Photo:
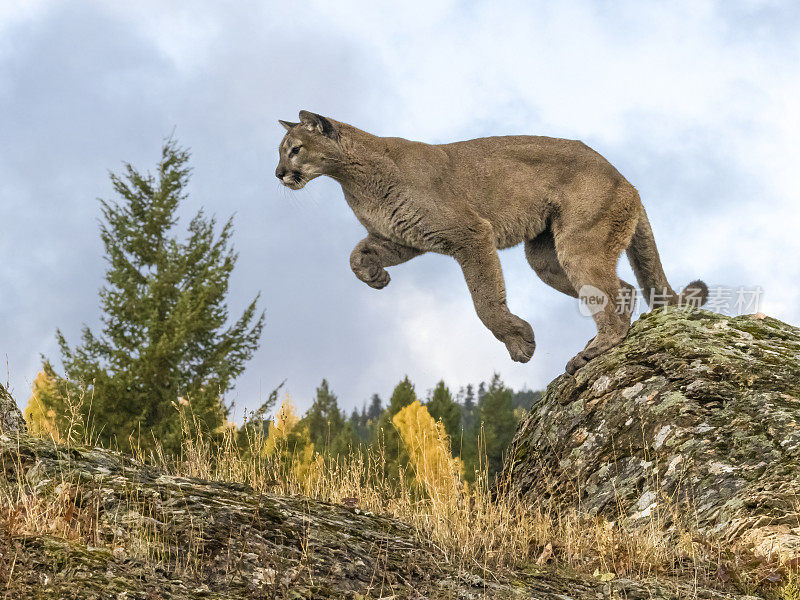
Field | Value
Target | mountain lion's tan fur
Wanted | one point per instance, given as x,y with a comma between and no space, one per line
570,206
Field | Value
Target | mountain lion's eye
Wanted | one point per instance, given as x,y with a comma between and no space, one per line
294,150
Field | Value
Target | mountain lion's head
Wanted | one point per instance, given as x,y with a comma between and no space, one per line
309,149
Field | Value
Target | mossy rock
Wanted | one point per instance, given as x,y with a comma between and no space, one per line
692,423
10,416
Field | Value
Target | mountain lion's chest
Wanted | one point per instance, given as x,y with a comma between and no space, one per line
382,217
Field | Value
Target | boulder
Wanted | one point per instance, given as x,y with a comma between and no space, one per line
11,419
691,424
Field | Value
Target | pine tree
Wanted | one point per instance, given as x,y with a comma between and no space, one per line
327,428
375,408
402,395
370,417
498,424
345,442
397,458
442,407
356,424
165,330
525,399
361,426
324,420
467,409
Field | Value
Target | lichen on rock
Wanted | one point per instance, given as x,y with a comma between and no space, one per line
11,418
692,423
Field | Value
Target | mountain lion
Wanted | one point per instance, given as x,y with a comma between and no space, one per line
572,209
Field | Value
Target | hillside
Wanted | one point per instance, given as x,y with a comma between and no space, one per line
687,431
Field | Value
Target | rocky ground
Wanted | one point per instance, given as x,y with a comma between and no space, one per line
134,533
694,411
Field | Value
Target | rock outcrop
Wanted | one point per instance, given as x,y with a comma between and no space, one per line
117,529
692,423
11,419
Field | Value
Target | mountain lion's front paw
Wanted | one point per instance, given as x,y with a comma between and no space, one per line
520,343
379,280
373,275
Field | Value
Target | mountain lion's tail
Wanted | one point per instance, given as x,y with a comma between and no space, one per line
646,264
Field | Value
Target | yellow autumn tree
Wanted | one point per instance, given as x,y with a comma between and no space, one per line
428,446
40,415
288,441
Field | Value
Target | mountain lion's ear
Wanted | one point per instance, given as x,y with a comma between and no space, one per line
319,124
287,125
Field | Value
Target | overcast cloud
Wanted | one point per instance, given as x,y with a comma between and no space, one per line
694,102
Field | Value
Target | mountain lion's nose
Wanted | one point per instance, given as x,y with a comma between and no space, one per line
280,172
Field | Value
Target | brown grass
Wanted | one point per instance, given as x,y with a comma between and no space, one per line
482,526
476,528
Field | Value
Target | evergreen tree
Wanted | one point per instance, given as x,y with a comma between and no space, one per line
355,422
525,399
358,423
375,409
402,395
498,423
397,458
165,332
330,433
345,441
467,409
324,420
367,419
442,408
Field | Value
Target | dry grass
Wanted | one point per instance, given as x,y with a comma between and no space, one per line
477,527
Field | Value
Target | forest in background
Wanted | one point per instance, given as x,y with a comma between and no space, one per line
477,423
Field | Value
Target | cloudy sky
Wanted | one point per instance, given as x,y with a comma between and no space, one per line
695,102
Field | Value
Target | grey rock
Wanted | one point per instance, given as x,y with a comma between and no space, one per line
11,418
692,423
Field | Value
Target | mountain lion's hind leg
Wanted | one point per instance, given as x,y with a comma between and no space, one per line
477,256
372,254
542,257
592,270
